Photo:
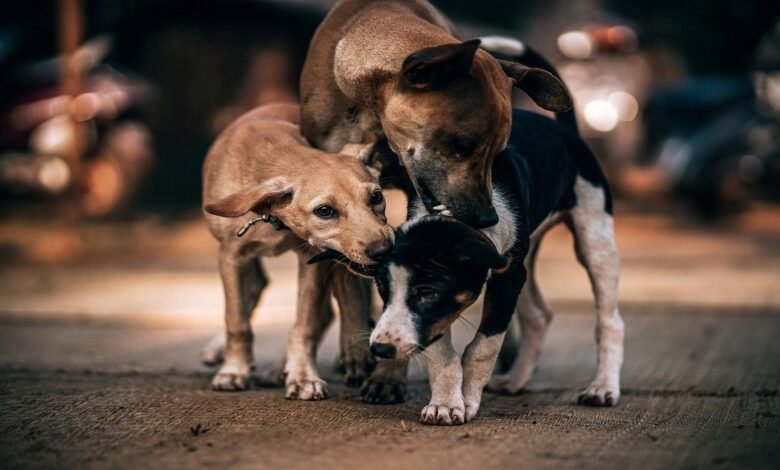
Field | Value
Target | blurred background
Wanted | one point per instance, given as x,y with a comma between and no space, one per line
108,108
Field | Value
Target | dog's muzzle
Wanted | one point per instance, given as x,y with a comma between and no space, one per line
356,268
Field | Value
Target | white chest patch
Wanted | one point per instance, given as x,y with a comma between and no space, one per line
504,233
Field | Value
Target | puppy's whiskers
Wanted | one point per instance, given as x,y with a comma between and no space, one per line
467,322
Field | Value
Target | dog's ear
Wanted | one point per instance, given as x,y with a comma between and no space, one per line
543,87
432,66
471,247
365,153
261,198
478,250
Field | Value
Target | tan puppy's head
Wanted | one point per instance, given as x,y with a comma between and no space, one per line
450,114
333,201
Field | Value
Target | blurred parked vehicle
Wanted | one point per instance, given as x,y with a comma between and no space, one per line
41,128
608,78
717,139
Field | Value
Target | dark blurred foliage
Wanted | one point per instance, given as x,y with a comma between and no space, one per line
712,36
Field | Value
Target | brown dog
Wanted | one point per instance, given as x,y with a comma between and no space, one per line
261,169
392,69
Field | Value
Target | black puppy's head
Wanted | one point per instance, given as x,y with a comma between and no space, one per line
435,271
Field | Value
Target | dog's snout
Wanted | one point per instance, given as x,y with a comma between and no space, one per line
383,350
378,250
487,218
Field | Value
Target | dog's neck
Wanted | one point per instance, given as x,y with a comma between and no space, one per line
503,234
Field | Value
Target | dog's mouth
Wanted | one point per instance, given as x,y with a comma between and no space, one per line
334,255
432,205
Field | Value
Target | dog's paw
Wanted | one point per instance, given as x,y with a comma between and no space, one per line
443,415
214,352
357,367
231,379
381,391
306,389
505,384
270,377
598,394
471,409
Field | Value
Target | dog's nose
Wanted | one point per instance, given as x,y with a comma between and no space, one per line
378,250
383,350
488,218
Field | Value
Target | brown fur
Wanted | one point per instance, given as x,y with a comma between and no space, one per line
393,69
261,165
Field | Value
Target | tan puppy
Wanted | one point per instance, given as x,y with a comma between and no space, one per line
392,69
261,167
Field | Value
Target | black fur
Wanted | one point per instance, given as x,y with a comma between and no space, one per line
536,173
441,274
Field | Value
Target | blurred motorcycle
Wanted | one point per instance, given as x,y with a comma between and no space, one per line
39,131
717,139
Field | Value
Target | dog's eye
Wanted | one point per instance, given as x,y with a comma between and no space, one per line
325,212
377,198
425,295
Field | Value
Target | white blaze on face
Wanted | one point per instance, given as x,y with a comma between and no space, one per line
395,326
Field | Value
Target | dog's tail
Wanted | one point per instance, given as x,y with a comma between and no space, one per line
507,48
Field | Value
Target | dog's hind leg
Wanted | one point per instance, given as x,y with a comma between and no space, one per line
596,250
534,316
509,349
243,280
302,381
387,383
214,352
353,295
383,382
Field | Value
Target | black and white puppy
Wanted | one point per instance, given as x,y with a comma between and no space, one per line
439,266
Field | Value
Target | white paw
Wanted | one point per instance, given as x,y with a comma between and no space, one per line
600,394
506,384
445,415
232,378
306,389
214,352
472,407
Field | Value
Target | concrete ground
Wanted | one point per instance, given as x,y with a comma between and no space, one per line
99,369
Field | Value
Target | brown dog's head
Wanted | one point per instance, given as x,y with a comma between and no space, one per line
331,201
450,114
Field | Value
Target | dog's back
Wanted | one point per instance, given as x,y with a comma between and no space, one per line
538,169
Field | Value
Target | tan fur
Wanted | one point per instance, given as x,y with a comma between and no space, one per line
261,165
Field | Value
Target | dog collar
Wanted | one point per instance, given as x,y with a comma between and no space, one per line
269,219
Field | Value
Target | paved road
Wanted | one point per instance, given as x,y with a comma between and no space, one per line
700,390
98,364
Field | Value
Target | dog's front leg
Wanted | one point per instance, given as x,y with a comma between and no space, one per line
301,379
243,280
353,295
480,356
446,378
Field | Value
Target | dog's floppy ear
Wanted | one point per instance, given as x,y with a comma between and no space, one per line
365,153
432,66
543,87
473,248
260,197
